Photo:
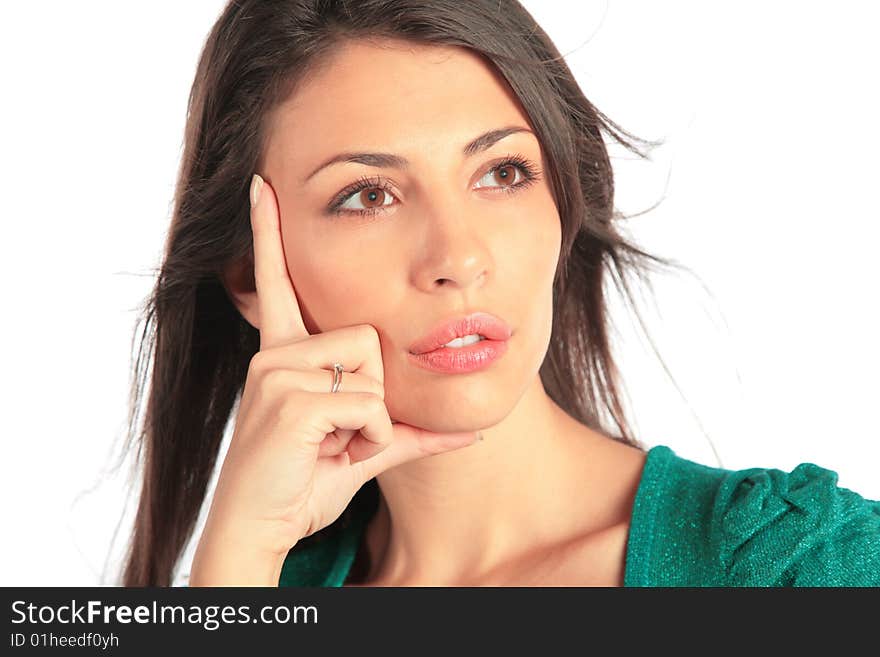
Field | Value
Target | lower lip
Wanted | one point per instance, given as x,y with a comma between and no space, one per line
470,358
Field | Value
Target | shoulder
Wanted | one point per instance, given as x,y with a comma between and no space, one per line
795,528
699,525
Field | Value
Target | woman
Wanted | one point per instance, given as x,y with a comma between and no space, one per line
362,184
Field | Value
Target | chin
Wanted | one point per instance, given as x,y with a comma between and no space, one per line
453,413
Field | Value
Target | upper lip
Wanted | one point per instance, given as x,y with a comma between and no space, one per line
482,323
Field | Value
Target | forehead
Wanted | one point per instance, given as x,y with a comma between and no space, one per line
409,98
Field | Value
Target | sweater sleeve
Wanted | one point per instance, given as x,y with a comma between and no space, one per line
798,528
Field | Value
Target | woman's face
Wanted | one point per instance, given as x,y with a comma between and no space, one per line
441,236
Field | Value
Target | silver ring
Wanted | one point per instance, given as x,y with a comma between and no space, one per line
337,376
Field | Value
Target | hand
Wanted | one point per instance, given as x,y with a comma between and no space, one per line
299,453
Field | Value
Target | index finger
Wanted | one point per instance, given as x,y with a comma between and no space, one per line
280,317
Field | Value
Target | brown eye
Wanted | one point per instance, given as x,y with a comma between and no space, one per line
373,197
368,193
376,195
505,175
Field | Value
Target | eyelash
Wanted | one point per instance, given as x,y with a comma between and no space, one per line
530,172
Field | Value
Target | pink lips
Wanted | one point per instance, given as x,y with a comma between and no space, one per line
429,352
485,324
451,360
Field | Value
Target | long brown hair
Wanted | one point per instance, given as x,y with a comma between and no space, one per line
198,343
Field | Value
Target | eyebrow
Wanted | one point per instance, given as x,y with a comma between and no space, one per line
392,161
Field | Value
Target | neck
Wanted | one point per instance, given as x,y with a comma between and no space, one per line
532,480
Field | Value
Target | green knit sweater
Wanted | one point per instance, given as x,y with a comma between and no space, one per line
692,525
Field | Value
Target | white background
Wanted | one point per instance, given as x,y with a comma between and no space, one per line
769,186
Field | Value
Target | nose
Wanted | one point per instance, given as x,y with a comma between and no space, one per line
454,247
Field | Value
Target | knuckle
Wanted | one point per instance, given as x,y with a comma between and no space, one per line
371,400
290,410
369,334
276,379
298,408
377,389
268,391
257,364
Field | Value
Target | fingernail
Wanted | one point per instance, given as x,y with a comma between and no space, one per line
256,188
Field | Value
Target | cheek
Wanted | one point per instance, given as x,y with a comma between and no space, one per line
531,268
335,285
535,245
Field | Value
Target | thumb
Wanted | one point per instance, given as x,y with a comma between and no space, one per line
411,443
